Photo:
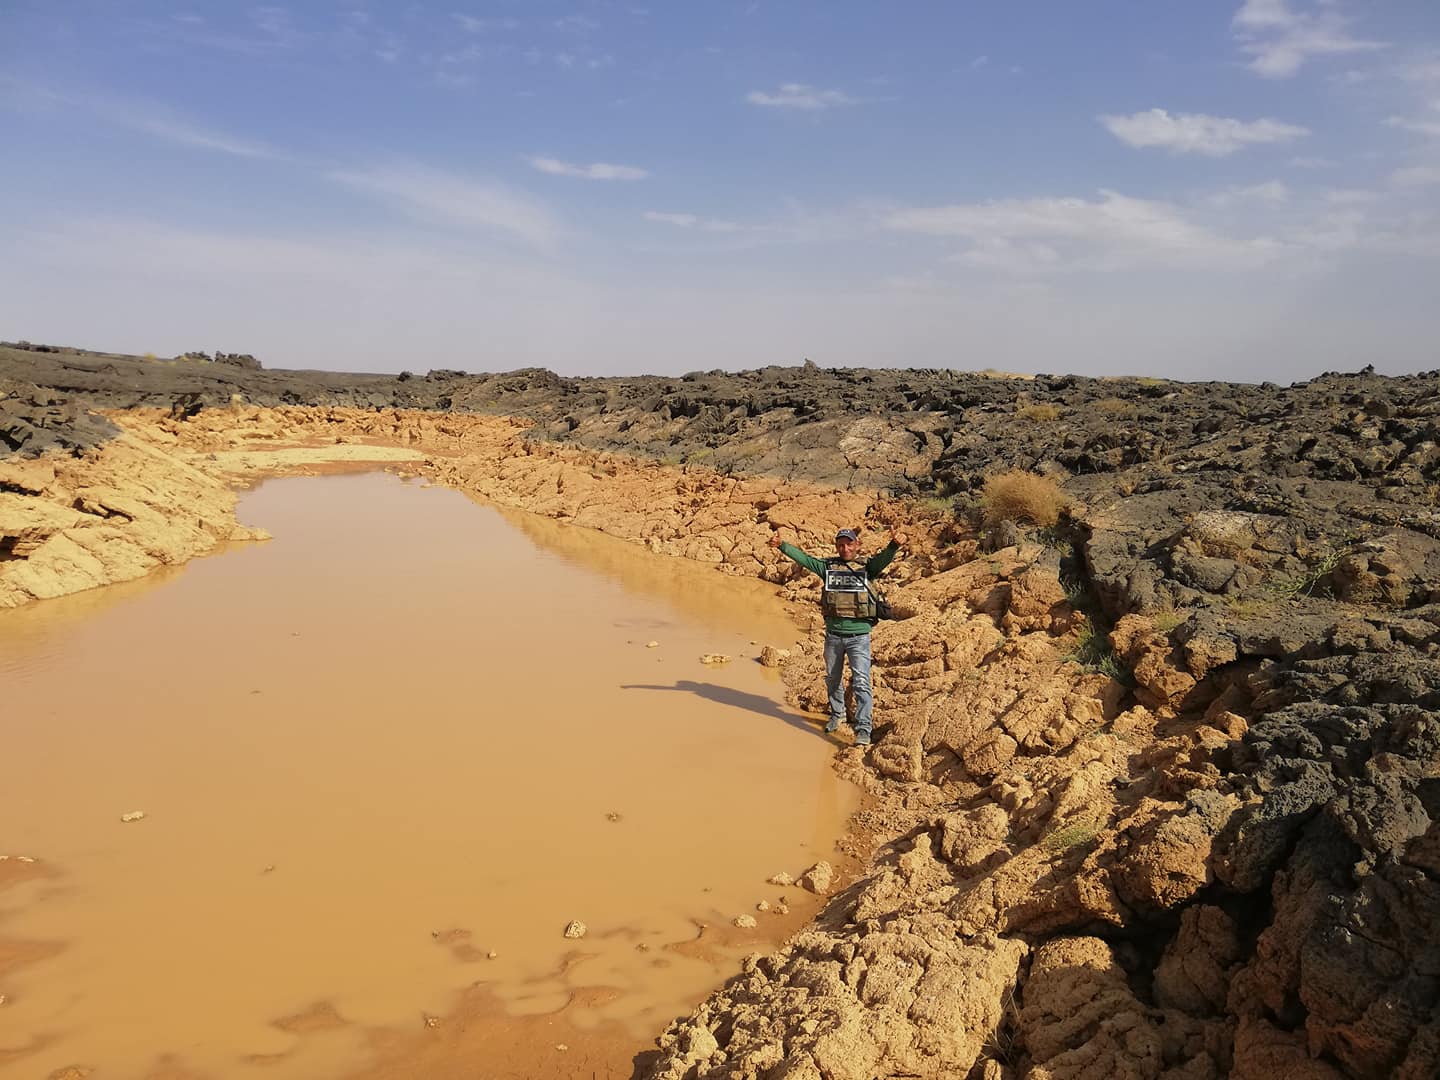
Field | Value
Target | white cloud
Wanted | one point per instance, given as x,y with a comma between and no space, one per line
800,96
1272,193
575,24
1350,197
1279,40
578,59
150,118
1425,126
1416,176
1114,232
596,171
374,300
436,196
177,130
1311,163
474,24
691,221
1195,133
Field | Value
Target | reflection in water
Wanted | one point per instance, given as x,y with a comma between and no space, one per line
30,634
681,584
372,753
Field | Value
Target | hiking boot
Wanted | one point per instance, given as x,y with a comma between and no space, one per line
862,739
831,726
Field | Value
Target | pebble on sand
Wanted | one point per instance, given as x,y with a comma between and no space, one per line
745,922
715,658
818,878
133,815
576,929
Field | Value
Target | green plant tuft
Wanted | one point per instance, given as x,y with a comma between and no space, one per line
1312,577
1072,835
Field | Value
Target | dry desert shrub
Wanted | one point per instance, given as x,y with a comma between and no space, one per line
1113,406
1023,497
1039,413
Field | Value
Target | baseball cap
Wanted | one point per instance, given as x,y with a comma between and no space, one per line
848,534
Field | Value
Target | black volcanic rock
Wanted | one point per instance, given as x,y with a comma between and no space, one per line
34,420
1291,535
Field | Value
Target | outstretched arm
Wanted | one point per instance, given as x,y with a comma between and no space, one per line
881,559
790,551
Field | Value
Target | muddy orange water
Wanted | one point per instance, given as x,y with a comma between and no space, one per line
409,732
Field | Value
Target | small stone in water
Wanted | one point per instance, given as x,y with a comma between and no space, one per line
782,879
133,815
652,645
576,929
745,922
714,658
763,905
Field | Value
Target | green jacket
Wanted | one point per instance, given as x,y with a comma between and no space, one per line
873,566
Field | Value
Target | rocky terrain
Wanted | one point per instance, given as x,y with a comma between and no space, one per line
1156,784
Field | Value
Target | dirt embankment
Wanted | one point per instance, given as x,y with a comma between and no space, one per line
1155,789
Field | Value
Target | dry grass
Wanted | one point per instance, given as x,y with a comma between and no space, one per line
1022,497
1040,413
1113,406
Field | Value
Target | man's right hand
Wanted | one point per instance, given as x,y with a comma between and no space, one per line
774,540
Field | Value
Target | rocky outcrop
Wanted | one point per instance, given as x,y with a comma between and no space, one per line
71,523
34,421
1154,791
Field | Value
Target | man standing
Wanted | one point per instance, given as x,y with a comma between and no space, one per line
849,604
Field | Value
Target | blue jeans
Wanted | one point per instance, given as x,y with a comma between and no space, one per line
857,648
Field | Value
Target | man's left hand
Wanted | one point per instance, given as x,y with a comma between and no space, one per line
897,538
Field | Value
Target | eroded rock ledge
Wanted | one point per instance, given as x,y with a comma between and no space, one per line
1217,858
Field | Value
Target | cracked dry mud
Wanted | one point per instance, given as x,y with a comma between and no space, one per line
1225,862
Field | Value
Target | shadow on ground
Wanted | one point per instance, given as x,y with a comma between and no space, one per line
737,699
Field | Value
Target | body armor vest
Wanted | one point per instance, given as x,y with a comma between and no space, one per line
847,593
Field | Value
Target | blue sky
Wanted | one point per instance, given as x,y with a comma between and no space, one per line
1247,189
